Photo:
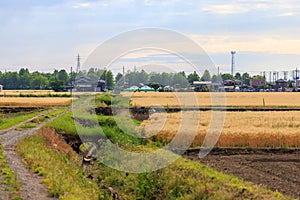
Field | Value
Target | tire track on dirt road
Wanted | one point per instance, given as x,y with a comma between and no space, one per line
32,187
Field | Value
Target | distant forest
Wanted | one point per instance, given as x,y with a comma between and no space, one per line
59,79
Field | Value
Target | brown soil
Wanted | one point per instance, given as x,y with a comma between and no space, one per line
56,142
276,169
16,109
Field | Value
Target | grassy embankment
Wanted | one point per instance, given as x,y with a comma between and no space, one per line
184,179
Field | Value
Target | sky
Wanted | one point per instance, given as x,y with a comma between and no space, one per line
48,35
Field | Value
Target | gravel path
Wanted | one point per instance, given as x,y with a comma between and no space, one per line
32,188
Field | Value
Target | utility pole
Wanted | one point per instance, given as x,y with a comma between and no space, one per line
232,62
78,64
123,77
285,75
71,81
274,77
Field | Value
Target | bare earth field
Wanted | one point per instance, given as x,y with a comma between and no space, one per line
268,99
277,169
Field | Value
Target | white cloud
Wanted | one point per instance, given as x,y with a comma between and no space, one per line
288,14
264,43
91,4
226,9
82,5
160,3
244,6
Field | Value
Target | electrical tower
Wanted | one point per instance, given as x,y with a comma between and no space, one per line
78,64
232,62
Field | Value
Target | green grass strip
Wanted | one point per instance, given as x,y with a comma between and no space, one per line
6,123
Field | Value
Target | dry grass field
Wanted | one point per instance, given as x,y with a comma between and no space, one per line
34,101
16,93
267,99
25,92
241,129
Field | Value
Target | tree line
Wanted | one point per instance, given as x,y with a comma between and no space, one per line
59,79
180,79
24,80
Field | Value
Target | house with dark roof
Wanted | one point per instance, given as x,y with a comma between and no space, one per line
281,85
84,84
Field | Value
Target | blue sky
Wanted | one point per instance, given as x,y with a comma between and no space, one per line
43,35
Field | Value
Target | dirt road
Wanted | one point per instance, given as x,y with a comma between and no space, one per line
277,169
32,188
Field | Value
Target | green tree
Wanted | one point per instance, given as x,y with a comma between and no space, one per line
137,77
155,86
238,76
109,79
227,76
162,78
258,77
23,71
119,79
25,78
206,76
142,77
180,80
246,78
95,74
216,78
57,85
38,82
193,77
11,80
155,77
63,76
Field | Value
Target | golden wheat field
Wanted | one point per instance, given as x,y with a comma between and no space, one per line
254,99
25,92
34,101
241,129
